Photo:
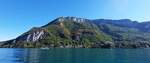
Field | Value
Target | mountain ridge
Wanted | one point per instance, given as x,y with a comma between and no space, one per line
74,32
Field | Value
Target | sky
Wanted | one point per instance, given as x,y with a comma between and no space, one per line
19,16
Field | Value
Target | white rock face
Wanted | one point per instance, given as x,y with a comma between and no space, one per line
74,19
14,41
79,20
35,36
32,37
61,19
28,38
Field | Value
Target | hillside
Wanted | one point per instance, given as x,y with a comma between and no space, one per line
73,32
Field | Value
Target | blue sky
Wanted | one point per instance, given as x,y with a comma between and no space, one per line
18,16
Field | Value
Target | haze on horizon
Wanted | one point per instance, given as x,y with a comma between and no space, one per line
18,16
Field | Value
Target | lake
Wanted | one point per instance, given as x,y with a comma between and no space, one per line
74,55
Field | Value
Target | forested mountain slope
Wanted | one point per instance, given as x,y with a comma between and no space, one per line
73,32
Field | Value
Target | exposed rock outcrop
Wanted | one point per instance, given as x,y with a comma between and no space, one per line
33,35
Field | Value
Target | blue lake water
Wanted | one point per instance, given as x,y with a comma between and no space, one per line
72,55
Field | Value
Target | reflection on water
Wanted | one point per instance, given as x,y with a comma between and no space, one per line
79,55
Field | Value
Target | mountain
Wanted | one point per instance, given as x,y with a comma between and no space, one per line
74,32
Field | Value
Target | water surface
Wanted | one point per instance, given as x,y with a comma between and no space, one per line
72,55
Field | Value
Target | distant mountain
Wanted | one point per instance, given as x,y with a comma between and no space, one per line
73,32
